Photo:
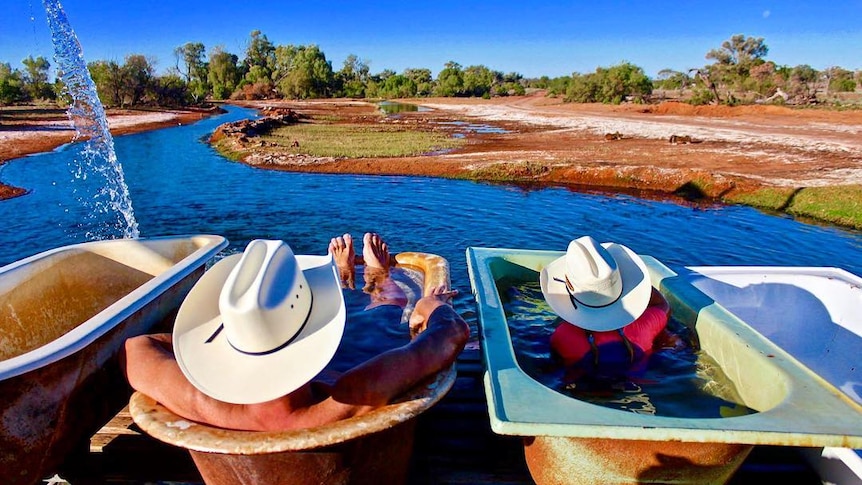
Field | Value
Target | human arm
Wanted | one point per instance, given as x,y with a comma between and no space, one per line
380,379
151,368
377,381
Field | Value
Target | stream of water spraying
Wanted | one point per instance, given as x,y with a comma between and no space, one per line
100,185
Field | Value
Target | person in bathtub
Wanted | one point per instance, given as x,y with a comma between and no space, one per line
257,328
612,316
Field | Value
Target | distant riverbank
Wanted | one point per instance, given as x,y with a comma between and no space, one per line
804,162
26,130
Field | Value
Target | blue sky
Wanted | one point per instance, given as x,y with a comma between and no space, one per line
551,38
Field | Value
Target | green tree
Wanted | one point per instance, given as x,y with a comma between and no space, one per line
733,63
511,89
191,64
224,75
610,85
170,90
109,78
421,77
625,81
477,81
138,76
36,78
670,79
803,82
511,83
559,86
351,79
190,60
542,82
739,50
11,85
397,86
259,58
582,88
450,80
302,72
840,80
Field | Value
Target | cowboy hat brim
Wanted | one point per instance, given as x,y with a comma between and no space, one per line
219,370
631,304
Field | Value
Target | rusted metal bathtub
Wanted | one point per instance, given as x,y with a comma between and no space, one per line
64,315
372,448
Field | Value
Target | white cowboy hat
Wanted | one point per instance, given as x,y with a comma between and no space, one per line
257,326
596,286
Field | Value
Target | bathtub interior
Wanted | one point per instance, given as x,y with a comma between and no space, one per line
812,313
767,380
68,289
47,296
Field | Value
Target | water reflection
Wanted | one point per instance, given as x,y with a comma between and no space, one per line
392,107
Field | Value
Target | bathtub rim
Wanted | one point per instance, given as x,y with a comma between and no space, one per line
162,424
166,426
511,394
102,322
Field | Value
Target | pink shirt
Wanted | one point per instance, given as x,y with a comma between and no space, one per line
572,344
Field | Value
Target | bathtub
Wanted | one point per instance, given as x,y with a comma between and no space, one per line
815,315
372,448
64,315
570,441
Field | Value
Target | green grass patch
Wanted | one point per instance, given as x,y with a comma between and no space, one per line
224,148
841,205
508,172
766,198
358,141
328,118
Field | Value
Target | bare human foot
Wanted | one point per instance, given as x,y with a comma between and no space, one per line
341,248
375,252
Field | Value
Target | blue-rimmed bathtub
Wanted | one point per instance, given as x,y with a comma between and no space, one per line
571,441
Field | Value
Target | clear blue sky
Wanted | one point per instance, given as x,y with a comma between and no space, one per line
551,38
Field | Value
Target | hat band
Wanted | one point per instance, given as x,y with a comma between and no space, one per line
265,352
575,301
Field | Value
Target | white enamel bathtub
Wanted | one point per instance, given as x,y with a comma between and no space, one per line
64,315
814,314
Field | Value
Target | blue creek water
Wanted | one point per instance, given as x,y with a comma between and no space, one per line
179,185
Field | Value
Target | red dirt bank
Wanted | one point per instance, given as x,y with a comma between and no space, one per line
735,149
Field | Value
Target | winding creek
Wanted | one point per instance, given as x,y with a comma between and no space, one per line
178,185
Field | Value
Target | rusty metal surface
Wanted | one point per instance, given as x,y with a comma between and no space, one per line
559,460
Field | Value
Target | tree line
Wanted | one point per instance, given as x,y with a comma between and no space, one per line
738,73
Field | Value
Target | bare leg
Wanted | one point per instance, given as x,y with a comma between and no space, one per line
375,251
378,283
341,248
